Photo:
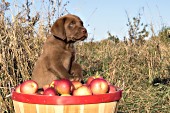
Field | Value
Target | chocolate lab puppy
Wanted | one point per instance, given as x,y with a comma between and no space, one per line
58,58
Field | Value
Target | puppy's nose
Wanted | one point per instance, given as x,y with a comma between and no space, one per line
84,30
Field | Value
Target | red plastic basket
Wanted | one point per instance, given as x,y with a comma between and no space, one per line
103,103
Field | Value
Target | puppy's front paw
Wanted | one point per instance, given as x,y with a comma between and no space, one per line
76,78
76,71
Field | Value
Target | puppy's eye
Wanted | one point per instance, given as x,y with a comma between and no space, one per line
72,24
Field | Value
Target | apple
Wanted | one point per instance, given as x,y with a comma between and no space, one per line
92,78
83,90
29,87
99,86
89,80
50,91
17,89
53,83
72,88
63,86
85,85
108,83
76,84
65,95
46,86
112,89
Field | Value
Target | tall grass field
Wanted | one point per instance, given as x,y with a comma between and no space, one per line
141,68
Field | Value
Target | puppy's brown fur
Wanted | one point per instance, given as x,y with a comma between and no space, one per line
58,58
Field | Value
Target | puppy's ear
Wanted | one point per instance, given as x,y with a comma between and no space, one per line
58,29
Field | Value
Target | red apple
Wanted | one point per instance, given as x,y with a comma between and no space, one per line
65,95
46,86
50,91
29,87
83,90
99,86
92,78
112,89
85,85
53,83
77,84
108,83
63,86
89,80
72,88
17,89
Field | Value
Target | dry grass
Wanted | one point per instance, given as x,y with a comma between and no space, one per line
142,71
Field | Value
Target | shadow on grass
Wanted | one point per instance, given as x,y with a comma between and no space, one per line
164,81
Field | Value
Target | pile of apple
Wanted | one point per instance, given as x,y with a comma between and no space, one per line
64,87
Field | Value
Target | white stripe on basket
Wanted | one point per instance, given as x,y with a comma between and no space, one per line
81,108
21,107
37,108
101,107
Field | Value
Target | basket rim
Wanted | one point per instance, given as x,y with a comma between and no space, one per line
66,100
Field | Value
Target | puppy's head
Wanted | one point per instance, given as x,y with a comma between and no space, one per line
69,28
